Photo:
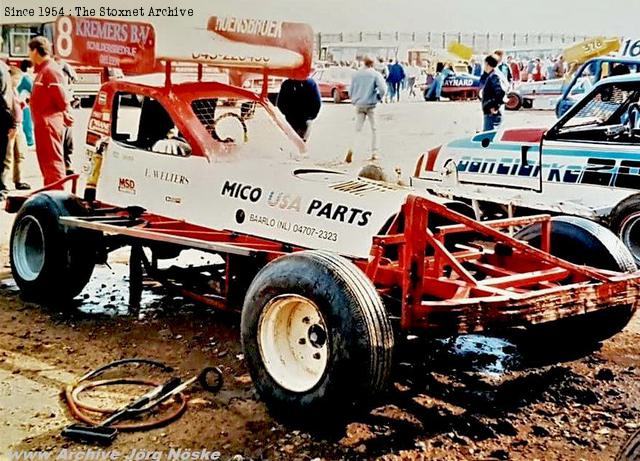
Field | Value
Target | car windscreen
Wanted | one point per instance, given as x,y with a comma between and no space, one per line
604,107
243,127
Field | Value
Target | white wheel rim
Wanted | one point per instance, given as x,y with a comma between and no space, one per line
630,234
293,341
28,248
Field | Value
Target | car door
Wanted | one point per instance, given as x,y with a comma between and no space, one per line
141,167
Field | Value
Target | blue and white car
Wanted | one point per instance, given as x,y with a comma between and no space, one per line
587,164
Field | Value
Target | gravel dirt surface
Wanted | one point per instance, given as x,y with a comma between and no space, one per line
473,398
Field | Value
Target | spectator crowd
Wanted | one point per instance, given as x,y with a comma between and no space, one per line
35,112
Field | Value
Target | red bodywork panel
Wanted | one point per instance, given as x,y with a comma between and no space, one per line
127,45
524,135
293,36
176,100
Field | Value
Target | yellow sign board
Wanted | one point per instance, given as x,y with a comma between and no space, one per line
460,50
591,48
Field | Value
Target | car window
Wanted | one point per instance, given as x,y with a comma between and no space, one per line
604,107
243,127
142,122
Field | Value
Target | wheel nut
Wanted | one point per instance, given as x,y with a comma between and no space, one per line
316,356
306,320
302,341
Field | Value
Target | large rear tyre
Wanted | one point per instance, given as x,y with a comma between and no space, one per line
316,336
583,242
51,263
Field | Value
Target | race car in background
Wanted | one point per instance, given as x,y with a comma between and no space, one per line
458,86
545,94
334,82
587,164
561,94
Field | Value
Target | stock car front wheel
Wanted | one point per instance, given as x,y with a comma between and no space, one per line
316,335
51,263
625,221
514,101
581,241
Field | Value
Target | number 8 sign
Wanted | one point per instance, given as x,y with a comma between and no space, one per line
64,43
99,42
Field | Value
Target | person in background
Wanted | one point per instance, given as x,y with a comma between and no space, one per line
548,69
413,72
17,145
524,70
476,67
70,78
531,69
381,67
536,75
7,131
503,67
367,89
51,111
300,102
25,87
515,69
493,94
396,76
7,119
387,76
435,90
559,68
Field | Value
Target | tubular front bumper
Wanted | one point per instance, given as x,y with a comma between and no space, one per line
469,276
521,310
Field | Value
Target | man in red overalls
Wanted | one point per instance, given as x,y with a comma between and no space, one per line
50,110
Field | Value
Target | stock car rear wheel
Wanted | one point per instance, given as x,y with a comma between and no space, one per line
316,336
514,101
51,263
582,241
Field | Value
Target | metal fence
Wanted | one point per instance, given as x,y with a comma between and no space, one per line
480,42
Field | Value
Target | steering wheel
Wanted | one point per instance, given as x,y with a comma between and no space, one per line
235,116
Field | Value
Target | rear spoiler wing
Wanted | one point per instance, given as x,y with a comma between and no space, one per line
241,46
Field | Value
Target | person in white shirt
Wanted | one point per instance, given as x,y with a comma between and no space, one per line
413,72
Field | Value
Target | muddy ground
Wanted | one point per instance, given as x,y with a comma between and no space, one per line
475,398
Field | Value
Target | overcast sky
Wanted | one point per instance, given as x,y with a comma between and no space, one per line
589,17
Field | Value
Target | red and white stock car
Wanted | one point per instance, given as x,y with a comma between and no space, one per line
329,271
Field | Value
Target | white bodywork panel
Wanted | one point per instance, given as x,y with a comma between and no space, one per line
562,162
318,209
